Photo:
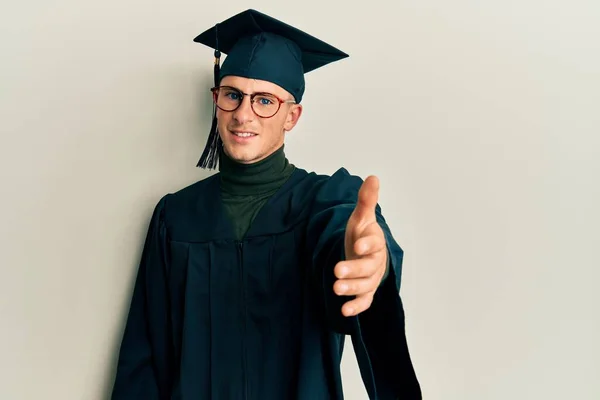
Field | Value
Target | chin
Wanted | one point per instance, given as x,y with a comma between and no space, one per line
241,155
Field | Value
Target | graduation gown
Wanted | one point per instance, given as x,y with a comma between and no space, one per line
216,318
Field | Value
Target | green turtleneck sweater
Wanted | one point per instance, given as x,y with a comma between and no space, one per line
245,188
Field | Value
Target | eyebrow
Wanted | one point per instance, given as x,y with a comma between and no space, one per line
257,92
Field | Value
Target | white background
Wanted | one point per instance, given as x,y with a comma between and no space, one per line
482,120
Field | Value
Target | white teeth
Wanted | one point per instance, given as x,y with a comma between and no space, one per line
243,134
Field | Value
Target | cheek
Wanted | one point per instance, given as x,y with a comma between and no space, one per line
222,120
271,128
275,130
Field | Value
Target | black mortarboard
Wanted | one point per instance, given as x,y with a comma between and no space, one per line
260,47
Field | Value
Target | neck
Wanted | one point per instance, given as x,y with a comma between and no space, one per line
254,179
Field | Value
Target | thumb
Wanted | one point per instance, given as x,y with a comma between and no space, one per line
368,196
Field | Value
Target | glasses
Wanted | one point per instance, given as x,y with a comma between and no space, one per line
265,105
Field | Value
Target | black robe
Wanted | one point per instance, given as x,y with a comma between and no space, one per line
215,318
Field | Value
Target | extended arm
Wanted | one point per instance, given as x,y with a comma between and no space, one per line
378,331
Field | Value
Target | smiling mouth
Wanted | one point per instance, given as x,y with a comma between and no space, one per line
244,134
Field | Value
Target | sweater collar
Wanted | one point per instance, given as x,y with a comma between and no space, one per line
254,179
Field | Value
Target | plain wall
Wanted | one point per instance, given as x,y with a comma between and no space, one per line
482,120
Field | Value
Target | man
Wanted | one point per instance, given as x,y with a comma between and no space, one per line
250,279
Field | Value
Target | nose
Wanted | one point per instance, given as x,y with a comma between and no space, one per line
244,112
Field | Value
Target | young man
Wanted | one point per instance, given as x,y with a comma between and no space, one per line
250,279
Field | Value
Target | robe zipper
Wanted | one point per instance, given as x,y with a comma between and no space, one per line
240,246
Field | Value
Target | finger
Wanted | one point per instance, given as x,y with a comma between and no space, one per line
368,196
358,268
371,243
358,305
354,287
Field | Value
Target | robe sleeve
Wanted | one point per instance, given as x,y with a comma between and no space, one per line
142,367
378,334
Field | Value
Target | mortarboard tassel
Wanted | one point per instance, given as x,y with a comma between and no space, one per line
210,155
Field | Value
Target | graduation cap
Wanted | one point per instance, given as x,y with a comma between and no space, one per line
261,47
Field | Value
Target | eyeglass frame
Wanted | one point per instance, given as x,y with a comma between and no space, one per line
281,101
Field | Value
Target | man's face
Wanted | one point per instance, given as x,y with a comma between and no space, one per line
267,133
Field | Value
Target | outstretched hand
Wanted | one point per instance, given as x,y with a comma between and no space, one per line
364,267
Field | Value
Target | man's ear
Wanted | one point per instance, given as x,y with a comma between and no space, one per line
292,117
